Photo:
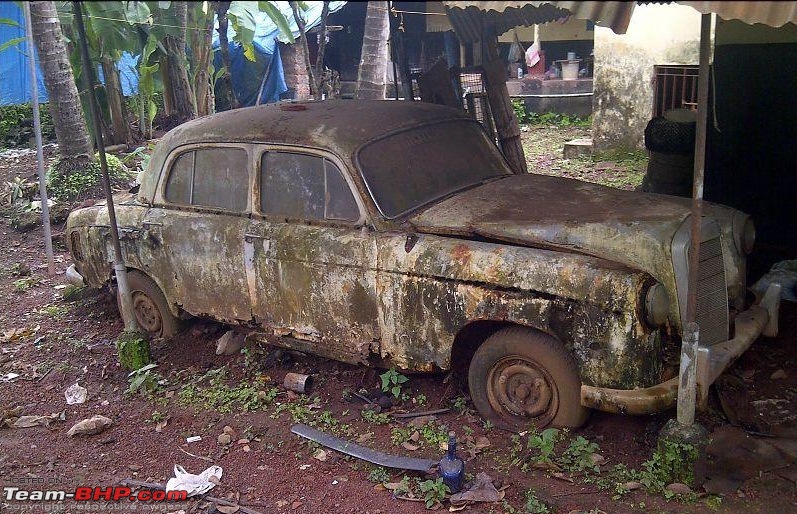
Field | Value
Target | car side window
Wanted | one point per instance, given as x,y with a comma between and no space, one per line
305,187
210,177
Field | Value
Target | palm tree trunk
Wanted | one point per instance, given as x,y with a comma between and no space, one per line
183,100
70,123
373,59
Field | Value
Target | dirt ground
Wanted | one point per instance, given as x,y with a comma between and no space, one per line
53,343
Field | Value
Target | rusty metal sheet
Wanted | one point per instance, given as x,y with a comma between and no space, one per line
774,14
469,17
361,452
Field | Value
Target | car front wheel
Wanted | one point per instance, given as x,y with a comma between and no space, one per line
520,378
150,307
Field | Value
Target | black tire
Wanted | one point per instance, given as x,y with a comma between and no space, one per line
150,305
516,364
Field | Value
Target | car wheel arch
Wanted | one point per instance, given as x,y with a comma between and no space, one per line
174,308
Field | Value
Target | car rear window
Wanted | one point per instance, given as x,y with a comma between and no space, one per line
210,177
412,168
306,187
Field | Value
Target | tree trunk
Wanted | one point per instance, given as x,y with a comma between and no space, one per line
225,95
182,94
202,45
116,103
70,124
373,59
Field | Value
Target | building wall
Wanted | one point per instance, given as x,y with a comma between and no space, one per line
623,92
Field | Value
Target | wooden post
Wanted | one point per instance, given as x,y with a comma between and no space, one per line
506,124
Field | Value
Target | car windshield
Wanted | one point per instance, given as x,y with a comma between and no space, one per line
413,168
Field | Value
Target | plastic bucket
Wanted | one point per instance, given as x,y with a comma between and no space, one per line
570,70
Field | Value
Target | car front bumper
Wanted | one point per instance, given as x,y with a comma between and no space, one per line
761,318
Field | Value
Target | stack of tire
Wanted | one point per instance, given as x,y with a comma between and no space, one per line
671,142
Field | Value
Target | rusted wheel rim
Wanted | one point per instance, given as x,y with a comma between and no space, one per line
522,391
147,314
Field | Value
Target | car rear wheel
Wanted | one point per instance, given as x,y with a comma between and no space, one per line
150,307
520,378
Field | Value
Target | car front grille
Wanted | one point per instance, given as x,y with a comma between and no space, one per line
711,313
712,294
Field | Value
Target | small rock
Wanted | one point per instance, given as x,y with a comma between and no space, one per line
385,402
631,486
224,439
230,343
134,467
777,375
90,426
228,430
679,488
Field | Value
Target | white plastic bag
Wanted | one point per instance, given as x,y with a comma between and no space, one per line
532,55
194,484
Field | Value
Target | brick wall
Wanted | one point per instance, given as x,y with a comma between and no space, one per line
295,70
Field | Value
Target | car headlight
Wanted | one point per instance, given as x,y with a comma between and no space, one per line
657,304
748,236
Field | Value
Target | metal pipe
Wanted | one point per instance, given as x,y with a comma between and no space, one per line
37,130
118,261
700,164
687,375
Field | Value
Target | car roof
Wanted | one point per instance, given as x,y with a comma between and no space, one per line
341,126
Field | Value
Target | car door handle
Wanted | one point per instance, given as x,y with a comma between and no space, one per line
249,237
150,224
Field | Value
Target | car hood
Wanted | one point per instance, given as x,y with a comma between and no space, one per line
628,227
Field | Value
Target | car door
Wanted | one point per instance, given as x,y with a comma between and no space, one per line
196,228
312,265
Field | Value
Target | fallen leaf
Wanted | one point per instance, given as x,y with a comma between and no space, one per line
228,509
409,446
320,455
392,486
295,505
161,425
481,443
246,448
281,504
415,437
224,439
365,437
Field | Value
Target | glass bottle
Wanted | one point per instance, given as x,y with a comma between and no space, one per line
452,468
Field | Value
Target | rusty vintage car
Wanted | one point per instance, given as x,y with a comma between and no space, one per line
395,234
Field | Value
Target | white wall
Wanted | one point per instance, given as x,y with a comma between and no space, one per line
623,97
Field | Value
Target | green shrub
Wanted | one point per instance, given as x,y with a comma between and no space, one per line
16,125
79,178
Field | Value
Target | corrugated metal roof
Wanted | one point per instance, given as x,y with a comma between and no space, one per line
774,14
470,17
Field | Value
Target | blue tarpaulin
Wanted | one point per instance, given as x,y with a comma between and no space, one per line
15,86
246,75
15,76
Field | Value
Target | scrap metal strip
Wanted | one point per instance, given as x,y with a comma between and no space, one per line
361,452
